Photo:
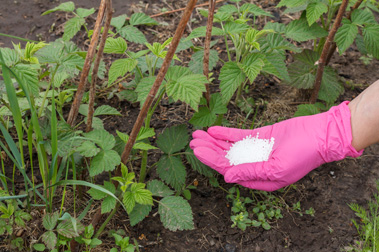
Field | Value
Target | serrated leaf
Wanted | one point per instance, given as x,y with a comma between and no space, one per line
142,19
173,139
102,138
88,149
67,229
361,44
331,87
108,205
275,64
371,38
115,45
119,21
129,201
10,56
139,213
303,70
72,27
176,213
235,28
306,109
228,8
252,8
106,110
49,221
252,65
172,171
291,3
216,104
197,165
345,36
144,86
231,76
196,66
119,68
159,189
143,146
30,77
105,160
141,195
39,247
184,44
362,16
145,133
314,11
96,194
200,32
188,89
276,42
299,31
203,118
50,239
277,27
132,34
67,6
85,12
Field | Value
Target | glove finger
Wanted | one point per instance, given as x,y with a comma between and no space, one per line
247,172
268,186
198,142
234,135
200,134
214,159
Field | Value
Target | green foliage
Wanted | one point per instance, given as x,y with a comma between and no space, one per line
123,243
175,213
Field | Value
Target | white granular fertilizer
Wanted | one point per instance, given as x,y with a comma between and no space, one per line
250,150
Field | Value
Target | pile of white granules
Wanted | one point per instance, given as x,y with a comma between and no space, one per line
250,150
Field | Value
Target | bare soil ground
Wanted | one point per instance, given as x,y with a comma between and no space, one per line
328,189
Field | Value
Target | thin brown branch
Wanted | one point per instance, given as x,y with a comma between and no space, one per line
334,45
182,9
158,81
207,46
325,50
99,55
87,66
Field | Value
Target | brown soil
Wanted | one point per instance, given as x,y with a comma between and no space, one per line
328,189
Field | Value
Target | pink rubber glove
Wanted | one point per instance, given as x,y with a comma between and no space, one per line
301,145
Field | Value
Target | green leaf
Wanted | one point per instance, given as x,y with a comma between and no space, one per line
108,205
119,21
102,138
231,76
188,89
299,31
143,146
67,229
39,247
196,63
216,104
362,16
275,64
119,68
228,8
252,65
361,44
139,213
277,27
85,12
306,109
129,201
331,87
314,11
174,73
105,160
144,87
252,8
176,213
173,139
172,171
200,32
345,36
303,70
371,38
197,165
67,7
159,189
142,19
30,77
50,220
275,42
106,110
50,239
115,45
72,27
88,149
132,34
145,133
235,28
203,118
10,56
291,3
96,194
141,195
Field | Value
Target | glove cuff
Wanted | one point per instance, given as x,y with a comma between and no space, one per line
340,134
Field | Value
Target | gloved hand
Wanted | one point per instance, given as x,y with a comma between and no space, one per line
301,145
